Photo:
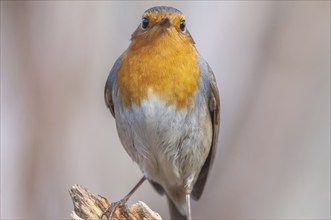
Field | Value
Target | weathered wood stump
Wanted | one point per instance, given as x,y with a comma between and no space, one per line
89,206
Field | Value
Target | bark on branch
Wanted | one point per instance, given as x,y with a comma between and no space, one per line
89,206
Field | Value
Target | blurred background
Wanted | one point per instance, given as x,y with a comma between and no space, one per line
272,64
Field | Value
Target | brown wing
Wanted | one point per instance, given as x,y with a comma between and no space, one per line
110,85
109,99
214,109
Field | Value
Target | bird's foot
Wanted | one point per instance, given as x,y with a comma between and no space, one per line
114,205
109,212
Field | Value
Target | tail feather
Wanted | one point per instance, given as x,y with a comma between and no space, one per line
174,213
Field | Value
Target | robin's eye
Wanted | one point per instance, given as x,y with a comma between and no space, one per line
182,25
144,23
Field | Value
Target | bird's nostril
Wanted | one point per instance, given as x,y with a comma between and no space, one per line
165,21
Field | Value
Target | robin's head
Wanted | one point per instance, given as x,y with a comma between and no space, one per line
161,23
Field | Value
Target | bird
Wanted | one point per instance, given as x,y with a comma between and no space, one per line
165,100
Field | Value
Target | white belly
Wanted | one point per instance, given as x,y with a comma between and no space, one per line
170,146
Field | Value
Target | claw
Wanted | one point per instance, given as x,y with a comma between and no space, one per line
114,205
112,208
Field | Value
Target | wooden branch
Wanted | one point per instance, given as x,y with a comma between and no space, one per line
89,206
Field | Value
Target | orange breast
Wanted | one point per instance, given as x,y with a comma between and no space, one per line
166,66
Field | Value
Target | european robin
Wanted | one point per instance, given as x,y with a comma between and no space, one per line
164,98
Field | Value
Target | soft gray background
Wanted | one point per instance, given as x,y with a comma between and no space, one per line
272,64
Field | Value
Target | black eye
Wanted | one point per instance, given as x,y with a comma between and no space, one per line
144,23
182,25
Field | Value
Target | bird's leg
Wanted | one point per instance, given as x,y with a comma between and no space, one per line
188,205
112,207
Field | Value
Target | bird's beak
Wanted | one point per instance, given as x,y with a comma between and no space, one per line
165,22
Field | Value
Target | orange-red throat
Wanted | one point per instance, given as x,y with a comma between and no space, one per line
161,59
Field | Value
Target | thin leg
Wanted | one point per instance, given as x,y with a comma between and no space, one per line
188,205
127,197
112,207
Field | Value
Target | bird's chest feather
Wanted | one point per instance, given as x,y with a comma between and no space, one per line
160,124
167,68
160,137
163,140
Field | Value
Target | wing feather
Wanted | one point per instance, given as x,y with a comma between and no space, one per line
214,110
110,86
